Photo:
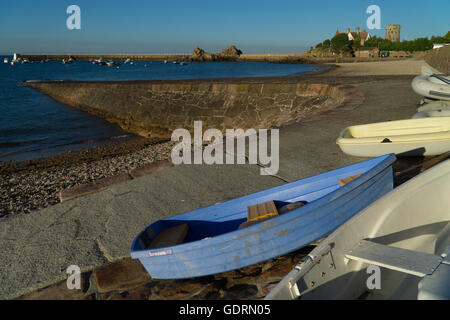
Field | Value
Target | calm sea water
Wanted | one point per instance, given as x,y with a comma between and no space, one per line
33,125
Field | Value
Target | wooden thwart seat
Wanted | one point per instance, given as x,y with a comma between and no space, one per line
266,210
403,260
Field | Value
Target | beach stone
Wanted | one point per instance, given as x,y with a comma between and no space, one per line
128,280
125,274
200,288
138,293
60,291
241,292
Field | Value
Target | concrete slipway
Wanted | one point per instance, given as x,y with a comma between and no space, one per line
99,228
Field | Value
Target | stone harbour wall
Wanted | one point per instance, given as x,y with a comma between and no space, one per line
155,109
439,59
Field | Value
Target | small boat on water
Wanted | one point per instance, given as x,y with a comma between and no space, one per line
165,61
411,137
112,64
99,62
431,85
5,60
128,60
183,63
221,237
405,233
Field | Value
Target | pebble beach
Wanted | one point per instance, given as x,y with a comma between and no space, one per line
35,184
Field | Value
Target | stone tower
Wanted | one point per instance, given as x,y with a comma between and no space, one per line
393,32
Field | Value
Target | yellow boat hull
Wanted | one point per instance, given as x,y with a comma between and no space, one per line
412,137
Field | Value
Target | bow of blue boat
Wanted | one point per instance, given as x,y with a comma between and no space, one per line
214,244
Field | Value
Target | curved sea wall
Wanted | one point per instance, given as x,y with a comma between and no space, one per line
439,59
155,109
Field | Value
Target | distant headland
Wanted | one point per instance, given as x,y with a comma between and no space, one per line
229,54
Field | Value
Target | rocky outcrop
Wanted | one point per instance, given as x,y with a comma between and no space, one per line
201,55
439,59
231,53
156,109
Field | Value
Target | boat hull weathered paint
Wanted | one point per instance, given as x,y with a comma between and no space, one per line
214,244
415,216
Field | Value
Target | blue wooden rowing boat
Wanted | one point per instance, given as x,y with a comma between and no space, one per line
214,244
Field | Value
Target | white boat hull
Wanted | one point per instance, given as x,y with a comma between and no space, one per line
431,113
405,149
414,216
431,88
413,137
435,105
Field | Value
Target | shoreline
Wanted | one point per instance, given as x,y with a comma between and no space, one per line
31,185
34,184
279,58
7,165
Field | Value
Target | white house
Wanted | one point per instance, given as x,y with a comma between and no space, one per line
440,45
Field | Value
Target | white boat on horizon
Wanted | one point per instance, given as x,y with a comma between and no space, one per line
113,64
5,60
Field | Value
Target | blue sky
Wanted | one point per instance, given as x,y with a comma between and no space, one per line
177,26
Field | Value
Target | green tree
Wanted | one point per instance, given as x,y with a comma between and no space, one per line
340,43
326,44
447,37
